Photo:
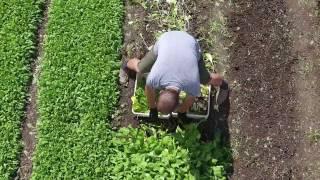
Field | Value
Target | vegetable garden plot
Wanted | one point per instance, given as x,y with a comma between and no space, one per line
18,25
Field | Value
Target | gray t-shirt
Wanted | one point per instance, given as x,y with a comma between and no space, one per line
176,65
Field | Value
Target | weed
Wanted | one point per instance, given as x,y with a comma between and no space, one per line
314,136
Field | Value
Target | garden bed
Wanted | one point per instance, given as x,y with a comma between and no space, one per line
18,26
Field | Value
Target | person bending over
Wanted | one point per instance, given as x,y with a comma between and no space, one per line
175,64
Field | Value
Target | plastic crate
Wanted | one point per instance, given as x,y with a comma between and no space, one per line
189,114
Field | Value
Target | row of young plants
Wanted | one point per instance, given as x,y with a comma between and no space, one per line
18,25
78,89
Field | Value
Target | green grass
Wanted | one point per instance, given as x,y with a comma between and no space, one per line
18,23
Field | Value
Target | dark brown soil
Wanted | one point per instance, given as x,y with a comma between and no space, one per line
134,46
306,47
270,103
30,121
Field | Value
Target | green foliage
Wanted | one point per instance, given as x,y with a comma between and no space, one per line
165,15
139,101
155,157
207,161
147,153
18,22
78,89
314,136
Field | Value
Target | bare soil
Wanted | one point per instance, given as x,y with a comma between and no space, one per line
30,121
274,71
306,47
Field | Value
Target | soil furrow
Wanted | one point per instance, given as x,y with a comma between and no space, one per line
306,33
263,119
30,121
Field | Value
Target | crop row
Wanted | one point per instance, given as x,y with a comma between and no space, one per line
18,24
78,89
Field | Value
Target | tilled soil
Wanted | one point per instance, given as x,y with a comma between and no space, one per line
272,104
306,47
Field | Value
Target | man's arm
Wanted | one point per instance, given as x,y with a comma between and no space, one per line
151,96
186,105
145,64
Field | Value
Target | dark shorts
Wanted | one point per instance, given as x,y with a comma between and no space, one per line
150,58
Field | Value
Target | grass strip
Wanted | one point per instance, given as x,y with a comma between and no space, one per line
78,89
18,25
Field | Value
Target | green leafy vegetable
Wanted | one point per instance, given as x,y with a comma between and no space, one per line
18,22
78,89
154,154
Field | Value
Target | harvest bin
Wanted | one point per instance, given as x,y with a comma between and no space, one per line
199,110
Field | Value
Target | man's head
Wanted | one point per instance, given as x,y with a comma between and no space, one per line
216,79
168,101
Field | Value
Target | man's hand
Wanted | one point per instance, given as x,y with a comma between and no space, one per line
133,64
153,115
216,79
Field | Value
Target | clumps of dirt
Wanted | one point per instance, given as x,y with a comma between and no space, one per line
265,124
30,121
306,46
135,46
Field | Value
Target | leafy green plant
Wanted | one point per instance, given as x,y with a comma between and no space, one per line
154,154
166,15
314,136
207,160
18,23
139,101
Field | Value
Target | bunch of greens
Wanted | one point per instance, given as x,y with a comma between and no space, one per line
139,101
18,22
